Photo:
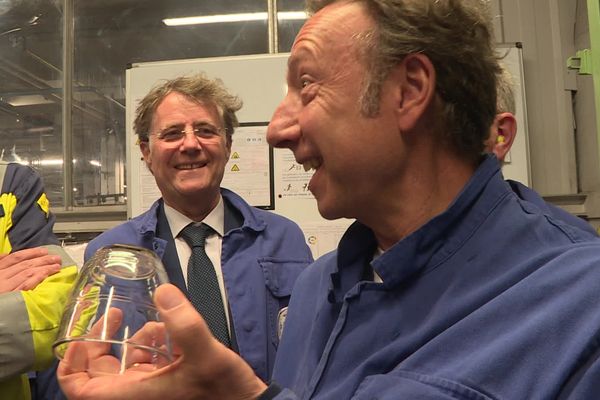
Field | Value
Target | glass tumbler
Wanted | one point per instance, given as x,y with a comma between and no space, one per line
110,304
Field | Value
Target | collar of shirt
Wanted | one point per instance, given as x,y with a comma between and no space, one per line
178,221
376,277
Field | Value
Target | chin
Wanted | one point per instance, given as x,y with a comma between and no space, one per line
329,211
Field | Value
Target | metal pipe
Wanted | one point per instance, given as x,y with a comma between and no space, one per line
67,123
272,26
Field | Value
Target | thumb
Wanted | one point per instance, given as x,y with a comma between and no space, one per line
184,324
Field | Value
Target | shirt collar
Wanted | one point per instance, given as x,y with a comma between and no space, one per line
178,221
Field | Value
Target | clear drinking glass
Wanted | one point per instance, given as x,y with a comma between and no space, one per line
110,304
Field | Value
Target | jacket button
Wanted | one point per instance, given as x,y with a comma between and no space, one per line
248,325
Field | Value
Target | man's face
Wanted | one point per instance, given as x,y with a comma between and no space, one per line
320,119
188,171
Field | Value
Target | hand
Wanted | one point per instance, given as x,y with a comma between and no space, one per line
203,367
25,269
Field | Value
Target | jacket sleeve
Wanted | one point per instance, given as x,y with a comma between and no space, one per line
25,217
26,342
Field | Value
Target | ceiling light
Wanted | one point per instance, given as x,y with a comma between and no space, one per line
244,17
27,100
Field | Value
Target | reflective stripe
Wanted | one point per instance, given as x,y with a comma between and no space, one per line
16,342
44,204
67,261
3,167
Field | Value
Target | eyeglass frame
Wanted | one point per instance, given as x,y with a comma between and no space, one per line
183,131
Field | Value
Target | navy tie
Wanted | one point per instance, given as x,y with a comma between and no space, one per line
203,286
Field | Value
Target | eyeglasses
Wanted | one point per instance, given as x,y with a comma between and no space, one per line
204,132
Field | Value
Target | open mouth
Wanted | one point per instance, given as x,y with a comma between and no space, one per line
313,164
189,166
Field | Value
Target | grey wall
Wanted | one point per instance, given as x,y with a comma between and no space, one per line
560,102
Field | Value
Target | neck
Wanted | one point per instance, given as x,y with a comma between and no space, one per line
197,209
433,184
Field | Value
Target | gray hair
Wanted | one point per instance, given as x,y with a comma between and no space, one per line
197,87
457,36
505,92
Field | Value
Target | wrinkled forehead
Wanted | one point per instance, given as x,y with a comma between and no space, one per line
336,26
179,106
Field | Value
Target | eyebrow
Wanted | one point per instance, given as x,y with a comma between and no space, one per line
292,61
292,65
194,123
174,125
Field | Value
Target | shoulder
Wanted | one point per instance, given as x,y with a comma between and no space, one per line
273,218
253,215
575,227
317,274
19,179
129,232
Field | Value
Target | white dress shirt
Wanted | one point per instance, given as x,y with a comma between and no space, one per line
177,221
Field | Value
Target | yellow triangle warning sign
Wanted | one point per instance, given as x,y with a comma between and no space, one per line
235,155
235,168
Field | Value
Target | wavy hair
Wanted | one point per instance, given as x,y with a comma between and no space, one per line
197,87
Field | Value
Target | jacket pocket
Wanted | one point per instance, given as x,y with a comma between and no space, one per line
280,276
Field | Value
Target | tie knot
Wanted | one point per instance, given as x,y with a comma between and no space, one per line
196,235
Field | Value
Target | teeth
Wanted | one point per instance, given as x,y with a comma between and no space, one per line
312,164
188,166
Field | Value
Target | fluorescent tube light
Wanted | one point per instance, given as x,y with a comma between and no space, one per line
244,17
27,100
290,15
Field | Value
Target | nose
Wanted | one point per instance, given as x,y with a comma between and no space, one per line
284,129
190,142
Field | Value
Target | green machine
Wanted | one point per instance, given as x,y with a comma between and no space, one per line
587,61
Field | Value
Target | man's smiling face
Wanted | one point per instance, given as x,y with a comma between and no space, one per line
189,170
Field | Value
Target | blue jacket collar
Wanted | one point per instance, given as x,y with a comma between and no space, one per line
148,220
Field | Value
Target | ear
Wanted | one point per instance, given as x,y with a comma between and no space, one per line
506,131
146,154
416,77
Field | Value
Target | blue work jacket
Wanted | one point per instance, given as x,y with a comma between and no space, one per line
492,299
261,256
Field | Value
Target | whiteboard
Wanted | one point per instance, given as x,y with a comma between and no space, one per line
259,80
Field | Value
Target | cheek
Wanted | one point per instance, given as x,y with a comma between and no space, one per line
220,151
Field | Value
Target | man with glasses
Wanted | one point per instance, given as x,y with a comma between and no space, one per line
185,129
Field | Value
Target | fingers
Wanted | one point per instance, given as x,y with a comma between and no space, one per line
189,332
149,347
25,269
85,354
10,266
22,255
30,278
216,371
